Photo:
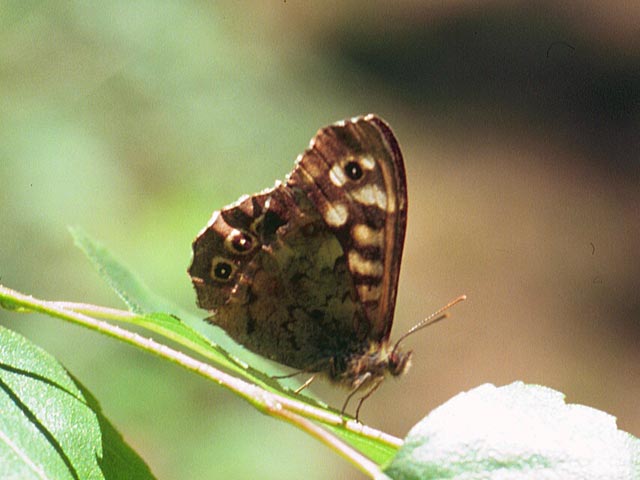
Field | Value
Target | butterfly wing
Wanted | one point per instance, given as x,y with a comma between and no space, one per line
305,273
275,279
224,250
354,175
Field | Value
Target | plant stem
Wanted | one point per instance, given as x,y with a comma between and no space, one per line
289,409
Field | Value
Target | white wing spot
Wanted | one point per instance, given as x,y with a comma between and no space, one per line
367,236
335,215
367,163
337,176
372,195
369,293
369,268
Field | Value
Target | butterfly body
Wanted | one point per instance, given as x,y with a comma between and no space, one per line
306,273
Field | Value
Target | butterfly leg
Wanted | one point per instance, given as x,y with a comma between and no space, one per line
306,384
356,386
368,394
288,375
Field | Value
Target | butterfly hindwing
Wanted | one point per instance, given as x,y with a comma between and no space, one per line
224,249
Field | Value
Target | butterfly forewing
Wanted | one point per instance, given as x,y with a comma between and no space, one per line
354,174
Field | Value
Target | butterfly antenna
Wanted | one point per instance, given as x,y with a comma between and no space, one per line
435,317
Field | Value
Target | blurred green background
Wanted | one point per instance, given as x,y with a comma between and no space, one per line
520,130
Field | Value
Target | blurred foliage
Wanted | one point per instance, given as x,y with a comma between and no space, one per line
519,128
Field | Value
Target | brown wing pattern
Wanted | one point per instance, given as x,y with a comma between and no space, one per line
275,280
353,173
306,272
224,249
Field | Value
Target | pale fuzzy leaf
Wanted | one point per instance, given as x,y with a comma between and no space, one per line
516,432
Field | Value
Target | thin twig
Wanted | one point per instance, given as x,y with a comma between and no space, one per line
95,310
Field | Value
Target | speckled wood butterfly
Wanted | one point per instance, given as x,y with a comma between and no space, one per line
306,273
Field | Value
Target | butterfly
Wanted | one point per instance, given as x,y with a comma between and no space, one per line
306,273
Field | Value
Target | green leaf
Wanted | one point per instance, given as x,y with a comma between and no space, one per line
50,426
171,327
517,431
127,286
378,451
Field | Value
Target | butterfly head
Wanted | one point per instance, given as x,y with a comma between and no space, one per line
399,362
382,358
